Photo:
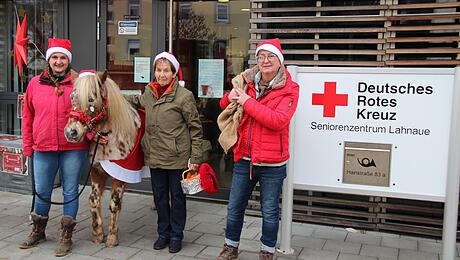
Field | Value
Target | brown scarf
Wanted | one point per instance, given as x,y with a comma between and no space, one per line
54,79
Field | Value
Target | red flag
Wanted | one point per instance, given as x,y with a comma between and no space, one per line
20,44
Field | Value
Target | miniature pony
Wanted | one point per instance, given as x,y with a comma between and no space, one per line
101,114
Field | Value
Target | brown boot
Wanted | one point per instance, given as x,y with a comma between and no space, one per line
37,234
228,253
264,255
65,236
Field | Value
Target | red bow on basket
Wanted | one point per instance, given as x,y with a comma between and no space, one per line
20,44
208,178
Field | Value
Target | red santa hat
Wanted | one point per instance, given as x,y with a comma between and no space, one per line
59,45
271,45
84,73
208,179
169,56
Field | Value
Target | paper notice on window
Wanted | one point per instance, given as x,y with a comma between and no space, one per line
210,78
141,69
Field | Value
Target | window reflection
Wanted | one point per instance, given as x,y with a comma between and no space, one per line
123,47
3,48
211,31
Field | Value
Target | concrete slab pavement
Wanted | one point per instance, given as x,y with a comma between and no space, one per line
204,235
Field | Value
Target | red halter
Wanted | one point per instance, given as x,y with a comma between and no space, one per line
89,122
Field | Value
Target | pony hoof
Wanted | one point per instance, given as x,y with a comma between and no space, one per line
112,241
97,239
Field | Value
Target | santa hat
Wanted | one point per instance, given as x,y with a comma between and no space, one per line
272,45
169,56
208,178
84,73
59,45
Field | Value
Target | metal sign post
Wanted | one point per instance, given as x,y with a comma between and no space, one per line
288,189
449,232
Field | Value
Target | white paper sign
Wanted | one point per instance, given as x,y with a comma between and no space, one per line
141,69
210,78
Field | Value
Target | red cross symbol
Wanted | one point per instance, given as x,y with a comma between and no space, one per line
330,99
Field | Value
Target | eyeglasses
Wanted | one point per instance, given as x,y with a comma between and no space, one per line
270,57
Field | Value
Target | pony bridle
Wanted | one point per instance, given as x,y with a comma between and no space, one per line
89,122
84,119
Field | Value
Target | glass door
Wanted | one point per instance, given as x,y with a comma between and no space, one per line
211,41
129,43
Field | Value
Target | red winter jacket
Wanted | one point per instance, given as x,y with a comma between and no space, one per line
263,132
44,116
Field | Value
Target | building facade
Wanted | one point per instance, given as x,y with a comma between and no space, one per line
210,39
215,40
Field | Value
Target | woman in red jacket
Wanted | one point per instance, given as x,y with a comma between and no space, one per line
261,150
46,104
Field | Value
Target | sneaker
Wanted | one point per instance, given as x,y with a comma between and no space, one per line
228,253
175,246
264,255
160,243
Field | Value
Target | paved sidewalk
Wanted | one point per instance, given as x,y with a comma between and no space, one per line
204,235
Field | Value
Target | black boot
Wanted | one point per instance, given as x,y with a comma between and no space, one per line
175,246
160,243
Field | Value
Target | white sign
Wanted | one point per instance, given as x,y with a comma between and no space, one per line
407,108
210,78
141,69
127,27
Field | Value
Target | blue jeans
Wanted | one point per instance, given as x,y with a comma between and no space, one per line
171,218
271,182
70,164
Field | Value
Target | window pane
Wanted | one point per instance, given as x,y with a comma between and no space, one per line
41,25
122,47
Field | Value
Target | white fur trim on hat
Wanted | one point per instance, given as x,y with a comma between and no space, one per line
169,57
87,73
52,50
271,48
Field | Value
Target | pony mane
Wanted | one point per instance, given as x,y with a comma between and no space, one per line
119,112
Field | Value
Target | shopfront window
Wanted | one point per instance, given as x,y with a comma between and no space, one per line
41,25
210,40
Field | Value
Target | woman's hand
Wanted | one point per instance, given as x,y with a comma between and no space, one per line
194,167
232,95
241,97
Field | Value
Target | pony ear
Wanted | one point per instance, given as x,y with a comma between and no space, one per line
102,76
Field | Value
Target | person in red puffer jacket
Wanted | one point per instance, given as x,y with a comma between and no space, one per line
261,150
46,105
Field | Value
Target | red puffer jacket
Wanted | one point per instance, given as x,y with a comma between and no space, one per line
263,132
44,116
